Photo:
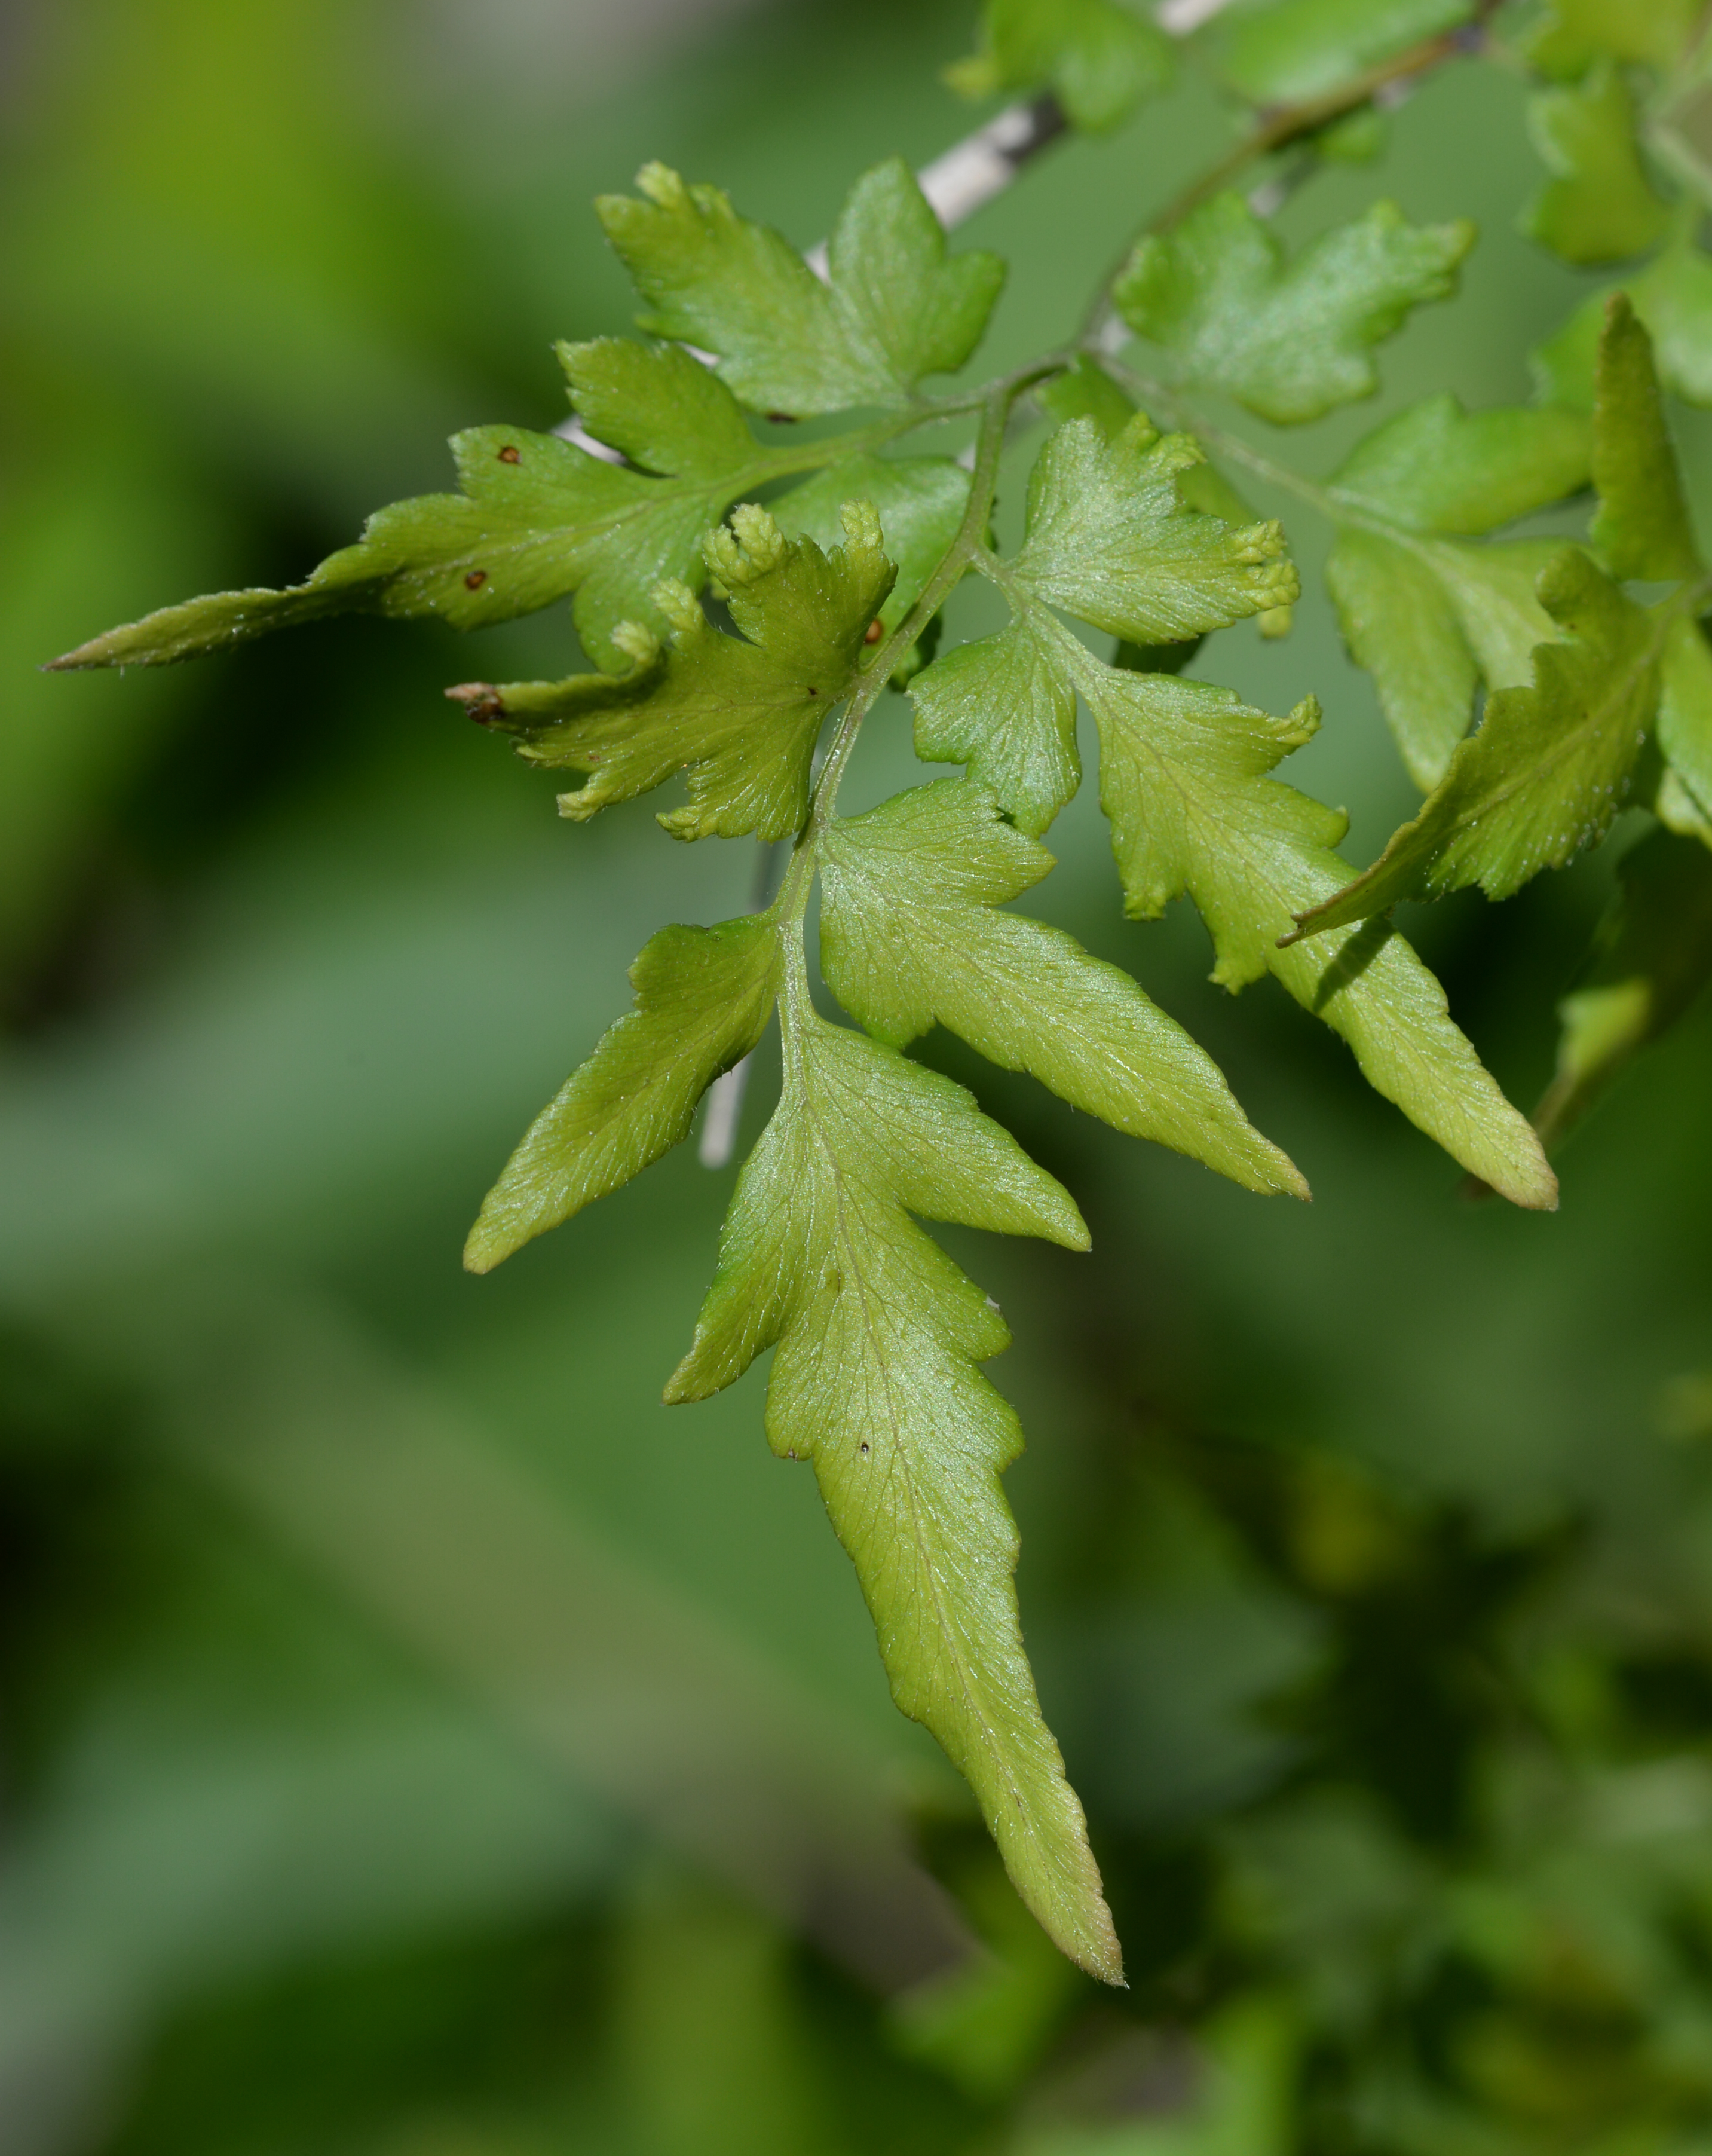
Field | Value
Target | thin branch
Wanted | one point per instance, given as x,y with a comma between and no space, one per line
725,1096
1285,125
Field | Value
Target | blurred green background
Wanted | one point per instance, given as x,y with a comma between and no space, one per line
414,1741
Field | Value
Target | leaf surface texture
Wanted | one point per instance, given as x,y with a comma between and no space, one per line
895,306
1290,341
740,715
911,936
703,996
877,1382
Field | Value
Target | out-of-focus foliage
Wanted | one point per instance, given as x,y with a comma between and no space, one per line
416,1742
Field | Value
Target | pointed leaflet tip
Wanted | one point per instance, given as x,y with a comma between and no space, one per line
1184,779
876,1381
703,996
538,519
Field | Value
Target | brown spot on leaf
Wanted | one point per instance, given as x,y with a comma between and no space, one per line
782,419
480,700
863,1445
510,455
812,690
475,581
874,631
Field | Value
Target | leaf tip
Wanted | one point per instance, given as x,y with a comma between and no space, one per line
85,657
1529,1181
481,700
660,184
684,1388
1538,1192
1098,1951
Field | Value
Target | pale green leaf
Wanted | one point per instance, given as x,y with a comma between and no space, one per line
1599,206
920,502
1289,342
1402,626
1642,529
1297,50
1495,592
664,409
1436,467
1086,391
1652,958
538,518
1110,540
1548,769
895,308
1432,618
1685,710
876,1381
1003,706
1103,58
897,290
1185,778
703,996
911,936
739,714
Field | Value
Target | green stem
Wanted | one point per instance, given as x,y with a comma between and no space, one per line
995,409
1277,130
